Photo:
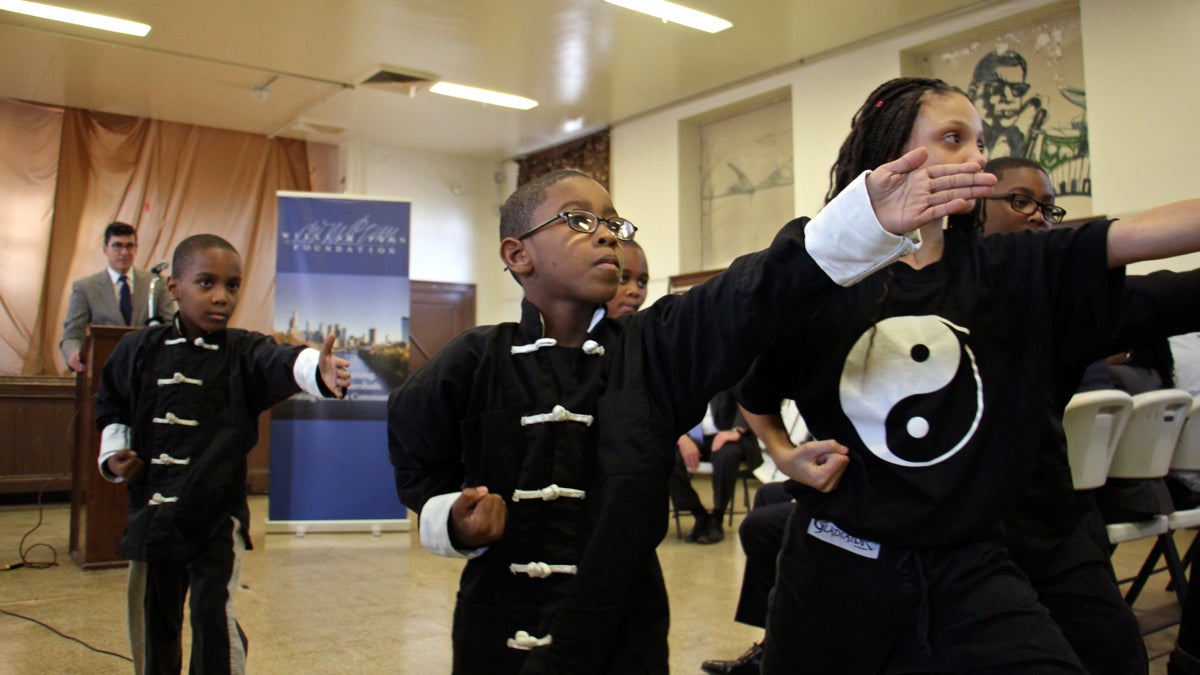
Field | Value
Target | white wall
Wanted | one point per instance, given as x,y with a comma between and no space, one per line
455,219
1141,61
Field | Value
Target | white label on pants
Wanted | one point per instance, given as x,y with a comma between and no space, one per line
827,532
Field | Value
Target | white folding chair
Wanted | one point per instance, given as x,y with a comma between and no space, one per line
1187,458
1145,451
1093,422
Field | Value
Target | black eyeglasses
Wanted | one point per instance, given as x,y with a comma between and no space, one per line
587,222
1028,205
122,246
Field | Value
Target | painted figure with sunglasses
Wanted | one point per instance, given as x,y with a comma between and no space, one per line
998,89
116,296
540,450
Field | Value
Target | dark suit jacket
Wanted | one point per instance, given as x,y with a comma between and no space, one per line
727,415
93,301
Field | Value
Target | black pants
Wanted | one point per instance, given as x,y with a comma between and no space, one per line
761,534
965,609
157,592
1087,605
725,461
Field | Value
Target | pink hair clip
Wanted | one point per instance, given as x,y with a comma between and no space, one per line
879,104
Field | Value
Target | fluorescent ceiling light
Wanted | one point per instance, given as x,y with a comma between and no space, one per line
483,95
669,11
76,17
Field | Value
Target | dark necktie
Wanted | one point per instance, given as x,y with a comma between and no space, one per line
126,300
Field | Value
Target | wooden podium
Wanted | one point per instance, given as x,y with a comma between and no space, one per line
99,508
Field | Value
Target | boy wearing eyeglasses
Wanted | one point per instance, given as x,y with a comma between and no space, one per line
540,450
1023,198
1057,540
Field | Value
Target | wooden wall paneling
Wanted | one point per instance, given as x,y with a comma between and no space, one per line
36,433
439,311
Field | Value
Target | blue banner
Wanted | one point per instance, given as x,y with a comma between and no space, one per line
342,268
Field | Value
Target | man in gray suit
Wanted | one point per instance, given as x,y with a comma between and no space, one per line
117,296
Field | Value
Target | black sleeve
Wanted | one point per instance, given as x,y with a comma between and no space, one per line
1157,306
268,366
702,342
424,441
1085,296
115,397
761,390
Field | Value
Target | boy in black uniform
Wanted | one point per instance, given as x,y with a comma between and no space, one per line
178,410
541,449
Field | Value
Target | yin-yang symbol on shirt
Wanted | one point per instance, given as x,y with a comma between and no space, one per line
911,388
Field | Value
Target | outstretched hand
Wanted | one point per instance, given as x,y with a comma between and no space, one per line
817,464
477,518
906,195
334,370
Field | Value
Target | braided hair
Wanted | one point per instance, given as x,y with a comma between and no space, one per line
880,130
878,133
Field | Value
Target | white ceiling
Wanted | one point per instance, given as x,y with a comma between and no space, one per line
583,60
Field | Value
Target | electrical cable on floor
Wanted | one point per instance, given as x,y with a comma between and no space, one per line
62,634
23,552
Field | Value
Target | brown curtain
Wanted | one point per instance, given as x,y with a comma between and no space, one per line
169,181
589,154
29,138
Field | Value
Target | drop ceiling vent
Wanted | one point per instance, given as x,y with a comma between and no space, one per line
399,80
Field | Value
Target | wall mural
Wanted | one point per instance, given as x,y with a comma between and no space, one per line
1028,85
746,182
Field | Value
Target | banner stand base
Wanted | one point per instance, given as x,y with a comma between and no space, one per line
303,527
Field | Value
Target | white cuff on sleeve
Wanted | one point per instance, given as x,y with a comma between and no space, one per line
305,371
113,439
846,240
435,528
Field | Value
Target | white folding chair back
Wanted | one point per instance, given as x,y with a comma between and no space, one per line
1187,450
1147,445
1093,422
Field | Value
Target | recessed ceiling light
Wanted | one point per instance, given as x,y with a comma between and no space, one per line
483,95
76,17
669,11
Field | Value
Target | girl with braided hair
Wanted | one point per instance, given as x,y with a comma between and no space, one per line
933,377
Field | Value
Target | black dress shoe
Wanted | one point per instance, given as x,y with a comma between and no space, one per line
715,532
699,531
750,662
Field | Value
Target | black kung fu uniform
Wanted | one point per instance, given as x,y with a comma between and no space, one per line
191,410
641,381
938,381
1048,535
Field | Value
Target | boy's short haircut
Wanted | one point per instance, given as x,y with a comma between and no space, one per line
998,166
188,248
517,213
119,229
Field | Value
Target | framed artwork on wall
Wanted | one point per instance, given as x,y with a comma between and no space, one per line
1025,76
746,177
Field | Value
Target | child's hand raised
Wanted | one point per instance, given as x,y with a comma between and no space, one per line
334,370
477,518
905,194
127,465
817,464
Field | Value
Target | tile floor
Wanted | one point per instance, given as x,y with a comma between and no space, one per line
354,603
